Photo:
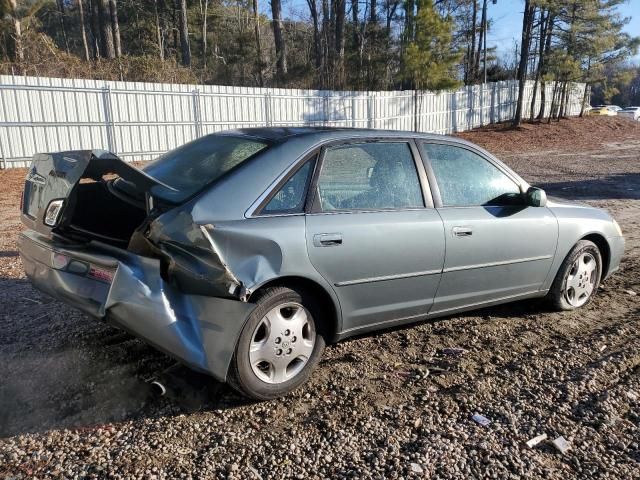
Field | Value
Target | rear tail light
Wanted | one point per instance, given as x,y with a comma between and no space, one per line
53,212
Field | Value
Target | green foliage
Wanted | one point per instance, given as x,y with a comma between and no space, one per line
431,61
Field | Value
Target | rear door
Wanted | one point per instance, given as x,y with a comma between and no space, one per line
497,247
372,232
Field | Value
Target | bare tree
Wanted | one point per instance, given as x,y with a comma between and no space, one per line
471,72
317,47
159,36
115,27
184,34
340,11
278,37
203,10
527,26
18,51
83,31
256,27
106,32
63,23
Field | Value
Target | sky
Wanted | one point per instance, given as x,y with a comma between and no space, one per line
505,14
507,23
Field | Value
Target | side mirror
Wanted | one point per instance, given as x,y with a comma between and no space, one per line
536,197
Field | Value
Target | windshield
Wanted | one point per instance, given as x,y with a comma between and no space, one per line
191,167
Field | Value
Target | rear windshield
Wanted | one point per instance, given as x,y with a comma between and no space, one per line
193,166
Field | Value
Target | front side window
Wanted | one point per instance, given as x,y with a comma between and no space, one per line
369,176
291,196
465,178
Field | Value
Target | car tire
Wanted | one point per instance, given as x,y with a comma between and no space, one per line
578,278
279,346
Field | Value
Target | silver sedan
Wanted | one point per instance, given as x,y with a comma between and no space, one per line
243,253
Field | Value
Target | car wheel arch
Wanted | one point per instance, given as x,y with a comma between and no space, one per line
605,251
331,320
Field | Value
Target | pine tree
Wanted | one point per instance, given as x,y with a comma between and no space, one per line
430,61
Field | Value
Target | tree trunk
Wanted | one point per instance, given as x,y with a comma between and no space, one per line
585,98
543,65
184,34
317,47
373,13
541,39
95,28
553,101
115,26
483,33
339,42
83,31
278,37
391,11
471,74
527,24
18,51
106,32
325,42
203,11
159,32
259,61
63,24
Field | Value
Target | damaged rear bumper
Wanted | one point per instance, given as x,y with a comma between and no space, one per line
200,331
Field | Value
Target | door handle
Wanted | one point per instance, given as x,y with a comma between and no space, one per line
327,239
462,231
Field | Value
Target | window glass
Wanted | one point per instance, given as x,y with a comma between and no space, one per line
192,166
290,198
465,178
369,176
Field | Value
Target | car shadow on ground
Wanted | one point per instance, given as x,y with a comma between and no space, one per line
624,186
62,369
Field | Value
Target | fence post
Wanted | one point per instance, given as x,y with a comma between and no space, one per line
415,110
3,166
353,110
267,110
370,112
325,109
108,118
197,118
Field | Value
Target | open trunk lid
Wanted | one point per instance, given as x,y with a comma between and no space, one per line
67,192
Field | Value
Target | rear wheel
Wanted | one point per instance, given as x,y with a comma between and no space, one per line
578,277
279,346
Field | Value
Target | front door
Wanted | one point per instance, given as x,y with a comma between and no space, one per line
371,234
497,247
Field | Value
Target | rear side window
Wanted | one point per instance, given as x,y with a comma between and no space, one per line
191,167
465,178
369,176
291,196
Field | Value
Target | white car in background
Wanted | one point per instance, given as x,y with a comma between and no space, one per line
630,112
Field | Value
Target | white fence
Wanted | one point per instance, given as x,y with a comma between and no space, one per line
139,121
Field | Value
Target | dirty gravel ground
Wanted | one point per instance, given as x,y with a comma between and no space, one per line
74,400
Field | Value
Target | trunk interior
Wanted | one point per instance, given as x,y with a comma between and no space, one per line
99,212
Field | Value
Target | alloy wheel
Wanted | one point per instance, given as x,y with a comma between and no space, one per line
282,343
581,280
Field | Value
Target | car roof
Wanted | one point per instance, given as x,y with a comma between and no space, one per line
276,134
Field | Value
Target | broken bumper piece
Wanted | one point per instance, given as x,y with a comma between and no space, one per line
127,290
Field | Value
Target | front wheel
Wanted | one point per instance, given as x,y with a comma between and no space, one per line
279,346
578,277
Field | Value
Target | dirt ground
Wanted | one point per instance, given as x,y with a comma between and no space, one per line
74,401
